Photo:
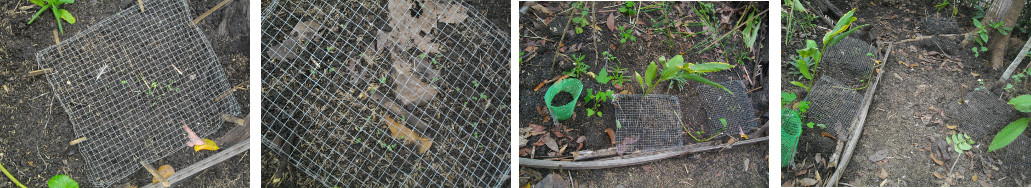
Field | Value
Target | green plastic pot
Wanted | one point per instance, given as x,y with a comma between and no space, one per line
791,129
563,111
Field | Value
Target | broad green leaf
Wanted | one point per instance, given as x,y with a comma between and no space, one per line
810,125
38,2
62,181
723,121
700,79
671,67
1021,103
800,84
590,112
649,76
977,23
984,37
1008,134
66,16
603,76
786,97
675,62
841,36
639,80
841,26
66,1
803,67
708,67
821,125
803,106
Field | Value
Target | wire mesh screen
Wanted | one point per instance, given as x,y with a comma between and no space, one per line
394,93
941,25
648,122
735,110
131,82
834,105
850,59
982,113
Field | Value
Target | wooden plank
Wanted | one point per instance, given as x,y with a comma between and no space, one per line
1016,61
629,160
213,9
858,123
204,164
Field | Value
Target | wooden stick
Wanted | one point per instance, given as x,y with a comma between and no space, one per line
39,72
858,125
206,162
408,117
1016,61
232,119
628,160
164,182
213,9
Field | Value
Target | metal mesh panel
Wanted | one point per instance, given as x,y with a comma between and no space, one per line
648,122
736,109
983,113
833,104
339,76
131,81
848,60
941,25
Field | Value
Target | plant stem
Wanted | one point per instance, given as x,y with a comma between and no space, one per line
44,8
9,176
57,18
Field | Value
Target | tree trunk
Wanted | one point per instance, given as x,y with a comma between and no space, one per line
1006,11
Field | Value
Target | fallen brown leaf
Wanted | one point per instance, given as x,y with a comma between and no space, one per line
939,175
550,142
611,22
936,161
525,152
806,182
828,135
398,130
883,174
165,171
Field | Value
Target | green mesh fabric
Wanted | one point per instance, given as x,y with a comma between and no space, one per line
563,112
790,130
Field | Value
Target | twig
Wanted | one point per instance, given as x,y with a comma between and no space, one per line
140,2
1016,61
560,39
213,9
858,122
628,160
9,176
154,172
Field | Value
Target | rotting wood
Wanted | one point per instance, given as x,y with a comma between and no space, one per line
407,117
860,119
632,159
39,72
237,134
608,152
213,9
164,182
232,119
1016,61
204,164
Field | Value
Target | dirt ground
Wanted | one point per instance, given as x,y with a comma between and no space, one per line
34,141
279,171
744,166
918,82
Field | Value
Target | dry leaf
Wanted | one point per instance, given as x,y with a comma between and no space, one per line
883,174
974,178
408,87
194,140
208,145
939,175
936,161
525,152
165,171
550,142
611,22
612,135
951,127
805,182
828,135
398,130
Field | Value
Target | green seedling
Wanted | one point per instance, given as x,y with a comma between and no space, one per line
1010,133
812,52
62,181
628,8
598,98
676,68
55,7
722,121
603,76
476,84
580,20
960,142
580,68
982,33
383,80
627,33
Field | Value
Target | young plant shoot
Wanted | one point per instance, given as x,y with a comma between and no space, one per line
54,6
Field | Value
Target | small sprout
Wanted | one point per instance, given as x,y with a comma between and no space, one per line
476,84
332,69
503,106
810,125
619,125
483,96
723,121
869,54
434,60
153,84
400,136
313,71
475,124
358,140
435,79
330,48
383,80
476,134
423,55
124,82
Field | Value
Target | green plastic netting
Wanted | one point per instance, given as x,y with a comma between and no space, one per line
790,130
574,87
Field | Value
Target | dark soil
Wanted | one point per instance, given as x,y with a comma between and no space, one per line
562,98
34,143
288,175
904,95
539,36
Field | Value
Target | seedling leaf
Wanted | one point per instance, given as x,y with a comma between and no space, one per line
66,16
1008,134
62,181
709,67
1021,103
700,79
603,76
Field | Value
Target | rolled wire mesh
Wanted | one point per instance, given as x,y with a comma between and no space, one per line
983,113
342,76
941,25
734,109
834,105
850,60
647,122
131,81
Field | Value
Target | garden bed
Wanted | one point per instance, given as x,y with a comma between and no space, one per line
929,90
549,47
37,132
